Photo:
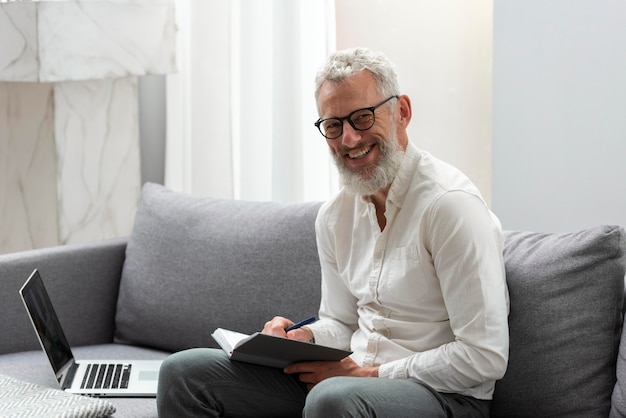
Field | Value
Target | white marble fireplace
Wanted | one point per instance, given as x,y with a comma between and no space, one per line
69,129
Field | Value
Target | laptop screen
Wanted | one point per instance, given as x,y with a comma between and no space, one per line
46,323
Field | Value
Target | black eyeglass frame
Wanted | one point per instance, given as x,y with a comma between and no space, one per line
318,123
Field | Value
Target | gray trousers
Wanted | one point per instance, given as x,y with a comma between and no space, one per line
205,383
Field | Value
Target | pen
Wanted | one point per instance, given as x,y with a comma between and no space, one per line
300,324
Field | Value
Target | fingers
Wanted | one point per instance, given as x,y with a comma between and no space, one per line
310,373
308,367
276,326
301,334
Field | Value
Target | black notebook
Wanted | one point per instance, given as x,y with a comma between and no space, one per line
272,351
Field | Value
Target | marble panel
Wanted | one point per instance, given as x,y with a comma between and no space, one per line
50,41
18,42
97,147
105,39
28,189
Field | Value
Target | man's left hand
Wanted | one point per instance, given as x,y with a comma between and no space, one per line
314,372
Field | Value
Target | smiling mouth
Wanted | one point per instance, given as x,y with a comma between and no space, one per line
357,154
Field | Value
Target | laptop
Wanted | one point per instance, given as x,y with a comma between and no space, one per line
102,378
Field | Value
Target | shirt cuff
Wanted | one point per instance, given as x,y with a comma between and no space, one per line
324,336
393,370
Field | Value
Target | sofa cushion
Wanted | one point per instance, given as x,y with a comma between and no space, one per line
618,400
197,263
566,294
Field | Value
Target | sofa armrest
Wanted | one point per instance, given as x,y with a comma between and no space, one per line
83,282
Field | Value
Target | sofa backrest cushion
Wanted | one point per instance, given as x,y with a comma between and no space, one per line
618,400
197,263
565,321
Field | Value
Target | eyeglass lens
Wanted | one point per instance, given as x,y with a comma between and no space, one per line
360,120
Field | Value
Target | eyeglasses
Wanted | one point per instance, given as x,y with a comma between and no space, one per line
360,120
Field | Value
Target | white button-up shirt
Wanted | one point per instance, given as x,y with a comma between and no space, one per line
426,297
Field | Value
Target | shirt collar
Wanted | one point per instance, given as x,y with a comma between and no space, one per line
404,177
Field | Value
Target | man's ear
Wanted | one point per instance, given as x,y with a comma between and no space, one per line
405,110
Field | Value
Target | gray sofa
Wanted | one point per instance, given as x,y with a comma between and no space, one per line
192,264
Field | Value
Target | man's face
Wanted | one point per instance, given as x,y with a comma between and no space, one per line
367,160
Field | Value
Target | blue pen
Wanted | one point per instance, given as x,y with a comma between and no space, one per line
300,324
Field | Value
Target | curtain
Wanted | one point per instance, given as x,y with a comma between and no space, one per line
241,108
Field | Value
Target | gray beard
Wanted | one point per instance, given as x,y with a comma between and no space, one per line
368,181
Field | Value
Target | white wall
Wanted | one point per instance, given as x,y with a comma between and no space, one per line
559,119
442,51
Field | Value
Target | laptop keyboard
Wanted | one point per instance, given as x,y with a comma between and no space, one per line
106,376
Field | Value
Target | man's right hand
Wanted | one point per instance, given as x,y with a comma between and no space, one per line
277,327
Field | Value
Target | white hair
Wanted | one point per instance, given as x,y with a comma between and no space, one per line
346,63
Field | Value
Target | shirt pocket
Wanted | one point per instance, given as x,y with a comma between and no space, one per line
403,280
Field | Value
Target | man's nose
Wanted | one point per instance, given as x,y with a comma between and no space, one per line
350,136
